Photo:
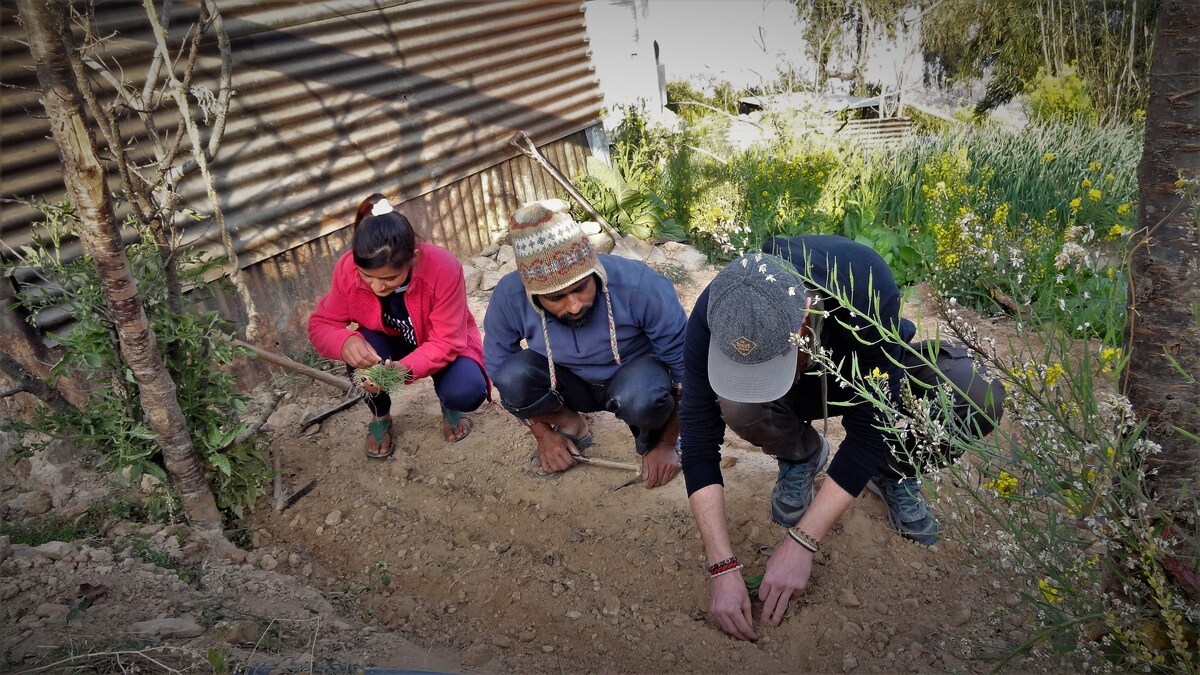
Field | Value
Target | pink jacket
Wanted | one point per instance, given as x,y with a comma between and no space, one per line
436,300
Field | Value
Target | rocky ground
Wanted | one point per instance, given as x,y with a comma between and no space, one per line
453,557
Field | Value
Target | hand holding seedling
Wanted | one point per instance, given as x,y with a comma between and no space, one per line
389,376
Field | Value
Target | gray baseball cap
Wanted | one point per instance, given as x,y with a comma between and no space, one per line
755,305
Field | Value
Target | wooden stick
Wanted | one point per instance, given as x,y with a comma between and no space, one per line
284,362
607,463
521,141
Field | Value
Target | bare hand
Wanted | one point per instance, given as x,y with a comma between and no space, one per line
358,354
729,602
660,465
786,578
554,452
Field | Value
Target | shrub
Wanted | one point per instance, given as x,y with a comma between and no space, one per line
194,347
1059,98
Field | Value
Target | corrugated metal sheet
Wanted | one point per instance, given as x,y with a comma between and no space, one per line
340,99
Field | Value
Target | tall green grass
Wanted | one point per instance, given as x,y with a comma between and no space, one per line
1033,221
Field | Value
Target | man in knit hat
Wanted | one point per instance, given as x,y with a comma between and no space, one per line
770,343
602,333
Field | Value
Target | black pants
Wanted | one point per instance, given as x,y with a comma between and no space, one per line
783,427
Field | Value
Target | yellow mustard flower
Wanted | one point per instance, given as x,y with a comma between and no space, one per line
1094,166
1048,157
1109,356
1049,591
1075,204
1053,374
1123,209
1005,484
1110,453
1115,231
1095,195
1109,177
1085,183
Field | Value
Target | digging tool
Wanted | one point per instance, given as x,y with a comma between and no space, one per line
607,463
632,481
330,412
284,362
610,464
521,141
281,502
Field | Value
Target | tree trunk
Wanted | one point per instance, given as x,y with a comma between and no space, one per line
1165,285
100,235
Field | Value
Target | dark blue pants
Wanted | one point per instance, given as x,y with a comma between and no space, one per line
460,386
639,394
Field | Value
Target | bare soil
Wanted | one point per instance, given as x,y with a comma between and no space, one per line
492,569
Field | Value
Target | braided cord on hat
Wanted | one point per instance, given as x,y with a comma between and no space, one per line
612,327
549,352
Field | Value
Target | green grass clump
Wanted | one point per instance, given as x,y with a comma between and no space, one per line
391,378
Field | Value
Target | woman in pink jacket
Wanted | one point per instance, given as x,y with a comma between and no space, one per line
409,301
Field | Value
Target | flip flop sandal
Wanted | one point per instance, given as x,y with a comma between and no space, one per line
379,431
581,442
451,419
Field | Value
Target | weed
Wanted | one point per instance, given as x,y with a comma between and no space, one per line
197,354
52,527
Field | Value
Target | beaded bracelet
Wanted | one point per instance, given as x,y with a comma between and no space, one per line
803,538
722,566
731,569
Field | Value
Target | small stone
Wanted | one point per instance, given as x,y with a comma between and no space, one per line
6,548
51,610
847,598
33,503
260,538
501,642
849,662
478,655
573,614
333,518
56,550
527,636
612,605
574,536
241,633
960,617
268,562
910,604
546,649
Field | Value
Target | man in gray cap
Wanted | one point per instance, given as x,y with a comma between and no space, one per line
749,364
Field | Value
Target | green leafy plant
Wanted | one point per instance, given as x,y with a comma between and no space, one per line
622,194
196,351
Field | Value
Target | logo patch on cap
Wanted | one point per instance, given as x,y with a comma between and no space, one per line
744,345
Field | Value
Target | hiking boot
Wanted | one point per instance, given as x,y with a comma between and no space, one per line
908,513
793,491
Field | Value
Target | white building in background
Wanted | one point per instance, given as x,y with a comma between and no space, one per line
637,45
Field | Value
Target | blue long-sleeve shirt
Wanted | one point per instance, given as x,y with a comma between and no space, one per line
847,269
647,316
